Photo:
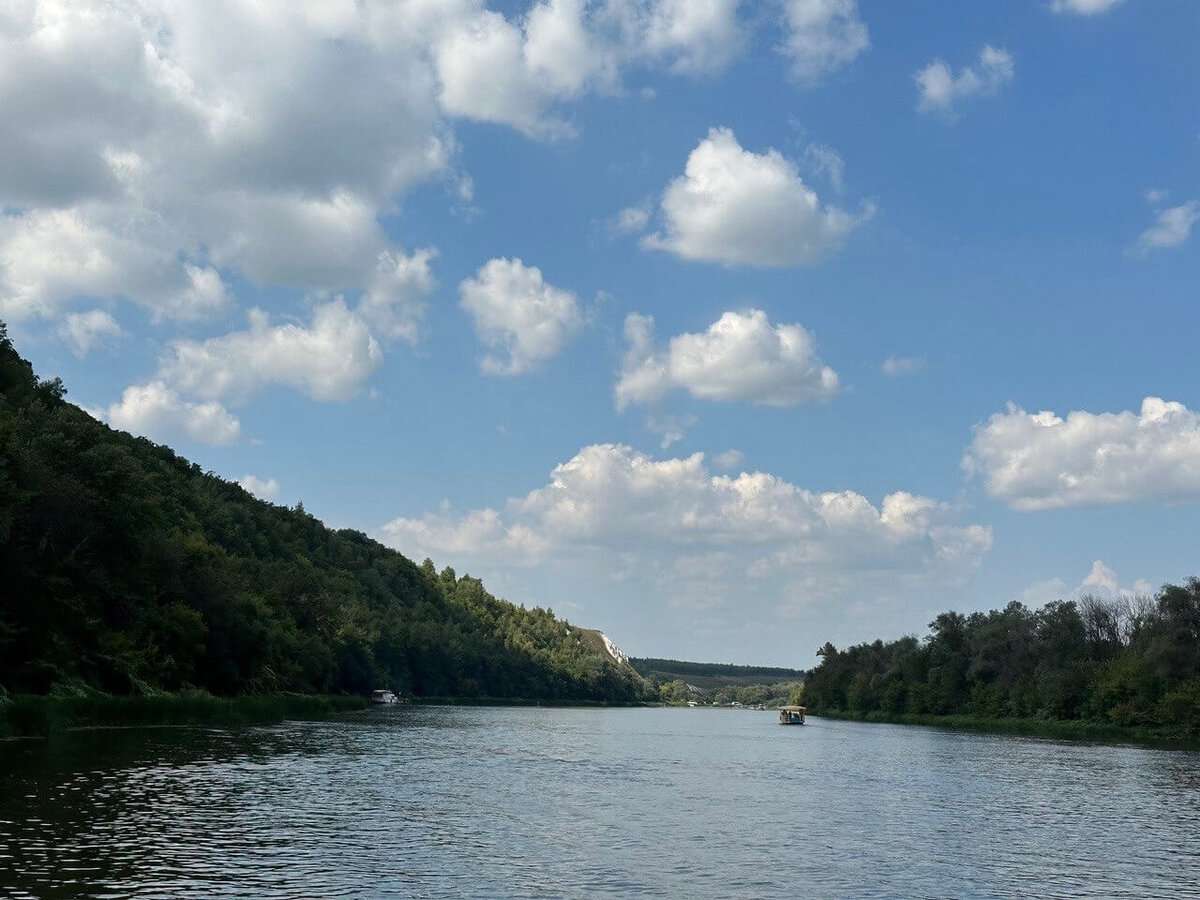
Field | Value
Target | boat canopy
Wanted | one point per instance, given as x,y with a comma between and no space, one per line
793,709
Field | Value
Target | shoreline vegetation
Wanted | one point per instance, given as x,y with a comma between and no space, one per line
1120,666
130,571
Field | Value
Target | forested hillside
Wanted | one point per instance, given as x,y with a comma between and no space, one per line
130,570
1125,662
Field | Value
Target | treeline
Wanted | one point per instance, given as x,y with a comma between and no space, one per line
1131,662
127,569
647,666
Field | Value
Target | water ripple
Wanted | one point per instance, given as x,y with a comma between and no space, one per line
520,803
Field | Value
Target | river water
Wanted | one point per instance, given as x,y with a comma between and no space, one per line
530,803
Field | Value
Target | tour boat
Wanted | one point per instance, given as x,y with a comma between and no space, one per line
384,697
791,715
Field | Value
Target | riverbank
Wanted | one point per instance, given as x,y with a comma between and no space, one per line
38,716
1059,729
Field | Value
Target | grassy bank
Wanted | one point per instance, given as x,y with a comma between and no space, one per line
38,716
1059,729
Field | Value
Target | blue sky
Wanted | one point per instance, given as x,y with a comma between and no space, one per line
729,328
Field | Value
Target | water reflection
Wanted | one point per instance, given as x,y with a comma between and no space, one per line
487,802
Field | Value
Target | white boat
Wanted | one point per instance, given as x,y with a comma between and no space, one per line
384,697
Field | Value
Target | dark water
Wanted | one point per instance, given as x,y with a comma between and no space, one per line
525,803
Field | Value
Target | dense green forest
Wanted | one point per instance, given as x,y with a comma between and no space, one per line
676,668
720,684
129,570
1128,661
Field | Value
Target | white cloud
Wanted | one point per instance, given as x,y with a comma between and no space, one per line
158,412
741,356
518,314
148,157
737,207
263,490
516,72
940,88
328,360
1041,461
394,301
50,257
83,331
899,366
1172,226
610,506
1083,7
821,36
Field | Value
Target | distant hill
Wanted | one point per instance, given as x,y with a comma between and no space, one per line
128,569
709,676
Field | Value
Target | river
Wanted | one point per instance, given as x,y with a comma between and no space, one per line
536,802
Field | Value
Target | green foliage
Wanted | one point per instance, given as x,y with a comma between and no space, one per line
649,666
1126,663
128,570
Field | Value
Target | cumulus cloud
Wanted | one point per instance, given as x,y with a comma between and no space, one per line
612,506
821,36
263,490
83,331
1083,7
519,315
149,158
1172,226
515,72
156,411
395,299
50,257
939,88
899,366
1039,460
734,206
328,360
741,356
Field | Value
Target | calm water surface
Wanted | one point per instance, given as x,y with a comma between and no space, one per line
529,803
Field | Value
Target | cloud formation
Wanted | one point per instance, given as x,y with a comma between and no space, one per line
83,331
737,207
518,315
516,71
156,411
262,489
1083,7
1036,461
741,356
657,520
329,359
939,89
821,36
1172,226
149,157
